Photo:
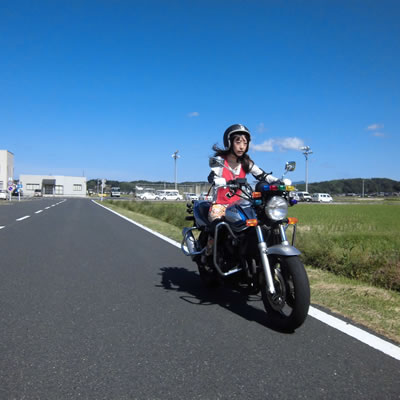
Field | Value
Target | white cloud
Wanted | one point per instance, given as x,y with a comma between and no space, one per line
292,143
193,114
267,146
283,144
378,134
375,127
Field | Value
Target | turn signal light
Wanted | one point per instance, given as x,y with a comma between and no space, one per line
292,221
251,222
256,195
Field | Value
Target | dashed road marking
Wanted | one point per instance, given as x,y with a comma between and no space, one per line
36,212
22,218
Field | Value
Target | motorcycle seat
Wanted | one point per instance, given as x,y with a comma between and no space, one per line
200,210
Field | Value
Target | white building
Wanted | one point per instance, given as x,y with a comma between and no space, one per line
6,168
54,185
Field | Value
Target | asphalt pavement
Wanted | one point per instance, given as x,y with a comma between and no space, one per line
94,307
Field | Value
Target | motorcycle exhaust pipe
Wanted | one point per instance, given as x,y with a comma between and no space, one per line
190,242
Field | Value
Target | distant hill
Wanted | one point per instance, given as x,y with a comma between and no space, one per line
371,186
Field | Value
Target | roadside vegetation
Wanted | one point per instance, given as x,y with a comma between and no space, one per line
351,253
359,241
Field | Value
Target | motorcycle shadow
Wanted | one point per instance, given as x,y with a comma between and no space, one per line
232,297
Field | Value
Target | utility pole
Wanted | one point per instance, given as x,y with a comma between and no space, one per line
175,157
306,151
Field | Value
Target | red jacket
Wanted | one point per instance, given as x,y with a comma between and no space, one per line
224,196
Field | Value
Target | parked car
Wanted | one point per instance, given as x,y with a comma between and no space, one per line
148,196
3,195
115,192
191,196
322,197
304,196
37,193
205,196
168,195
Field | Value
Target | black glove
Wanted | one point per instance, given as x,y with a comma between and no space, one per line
233,185
211,177
263,176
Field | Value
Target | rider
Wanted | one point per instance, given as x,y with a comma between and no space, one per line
236,142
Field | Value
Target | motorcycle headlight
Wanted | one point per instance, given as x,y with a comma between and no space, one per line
276,208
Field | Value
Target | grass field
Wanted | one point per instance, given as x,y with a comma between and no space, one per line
354,240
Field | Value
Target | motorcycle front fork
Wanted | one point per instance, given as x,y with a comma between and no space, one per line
262,246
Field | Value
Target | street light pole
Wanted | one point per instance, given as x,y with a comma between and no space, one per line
175,157
306,151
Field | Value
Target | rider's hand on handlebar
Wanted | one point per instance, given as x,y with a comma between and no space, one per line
219,181
271,179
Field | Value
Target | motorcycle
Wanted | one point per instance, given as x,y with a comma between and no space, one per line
251,247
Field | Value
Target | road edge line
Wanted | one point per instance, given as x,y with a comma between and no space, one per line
345,327
167,239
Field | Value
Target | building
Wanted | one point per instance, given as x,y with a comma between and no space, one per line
52,185
6,168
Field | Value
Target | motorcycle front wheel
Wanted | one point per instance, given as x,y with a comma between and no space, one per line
288,308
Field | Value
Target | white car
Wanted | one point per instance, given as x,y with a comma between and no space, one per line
191,196
304,196
205,196
3,195
168,195
322,198
148,196
172,196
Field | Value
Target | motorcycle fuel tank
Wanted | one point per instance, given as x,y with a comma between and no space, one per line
236,215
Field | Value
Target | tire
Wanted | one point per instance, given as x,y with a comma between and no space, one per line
289,310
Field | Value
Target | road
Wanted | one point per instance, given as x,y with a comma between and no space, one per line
93,307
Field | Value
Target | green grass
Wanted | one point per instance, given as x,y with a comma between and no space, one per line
368,305
354,240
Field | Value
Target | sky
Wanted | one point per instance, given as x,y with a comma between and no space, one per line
112,88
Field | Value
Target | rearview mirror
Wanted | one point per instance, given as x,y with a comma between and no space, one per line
219,162
290,166
215,162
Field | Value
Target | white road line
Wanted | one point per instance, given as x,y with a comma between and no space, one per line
2,227
22,218
46,208
38,212
357,333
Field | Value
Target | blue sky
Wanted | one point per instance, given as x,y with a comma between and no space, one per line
110,89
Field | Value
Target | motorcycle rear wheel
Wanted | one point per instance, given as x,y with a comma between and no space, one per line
288,309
